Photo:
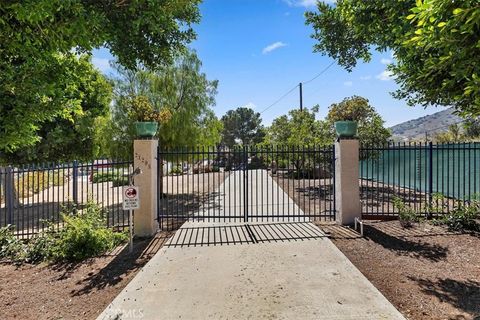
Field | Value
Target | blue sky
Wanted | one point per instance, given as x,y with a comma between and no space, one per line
260,49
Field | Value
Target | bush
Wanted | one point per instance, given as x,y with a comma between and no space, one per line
114,176
99,177
463,217
84,235
9,244
406,214
176,170
120,181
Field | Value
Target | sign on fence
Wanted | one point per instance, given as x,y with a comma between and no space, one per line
131,199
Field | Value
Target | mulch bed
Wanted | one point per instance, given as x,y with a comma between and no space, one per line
426,271
72,291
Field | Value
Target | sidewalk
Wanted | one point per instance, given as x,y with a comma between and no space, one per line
264,271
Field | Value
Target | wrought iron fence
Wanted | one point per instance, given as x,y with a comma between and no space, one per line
244,184
430,178
32,197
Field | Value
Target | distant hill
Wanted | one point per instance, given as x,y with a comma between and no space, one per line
416,128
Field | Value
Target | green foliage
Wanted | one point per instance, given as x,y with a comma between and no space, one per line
406,214
242,126
351,109
371,128
9,244
452,135
114,176
298,128
84,235
120,181
435,45
472,128
180,92
463,217
140,109
176,170
39,41
69,132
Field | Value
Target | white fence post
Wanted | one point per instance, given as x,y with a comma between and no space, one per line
347,188
145,158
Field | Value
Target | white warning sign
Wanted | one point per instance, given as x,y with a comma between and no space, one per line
131,199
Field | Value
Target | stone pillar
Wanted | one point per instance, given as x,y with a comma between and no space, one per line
347,189
145,158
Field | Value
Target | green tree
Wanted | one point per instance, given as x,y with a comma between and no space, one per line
70,135
180,90
298,128
454,134
37,81
371,128
434,44
472,128
242,126
297,131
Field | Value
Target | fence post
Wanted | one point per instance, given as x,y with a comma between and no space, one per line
9,194
75,182
347,187
430,178
145,158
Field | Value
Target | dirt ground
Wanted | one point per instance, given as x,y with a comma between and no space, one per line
427,272
77,291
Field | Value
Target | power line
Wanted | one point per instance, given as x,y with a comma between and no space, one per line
299,86
279,99
321,72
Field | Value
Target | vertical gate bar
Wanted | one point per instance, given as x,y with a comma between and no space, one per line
9,194
430,177
475,179
263,176
448,176
234,160
245,187
464,176
332,163
276,153
469,174
457,179
312,154
158,195
254,189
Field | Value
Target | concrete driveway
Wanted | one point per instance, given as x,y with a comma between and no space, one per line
261,271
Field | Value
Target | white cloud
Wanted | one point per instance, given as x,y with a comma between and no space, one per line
304,3
273,46
386,75
101,64
250,105
348,83
385,61
366,77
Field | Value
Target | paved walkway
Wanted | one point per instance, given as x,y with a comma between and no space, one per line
264,198
286,270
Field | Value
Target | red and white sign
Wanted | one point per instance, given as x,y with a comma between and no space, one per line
131,199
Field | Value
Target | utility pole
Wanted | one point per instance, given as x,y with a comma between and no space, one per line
301,97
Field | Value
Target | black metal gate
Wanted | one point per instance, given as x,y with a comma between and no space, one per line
244,184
